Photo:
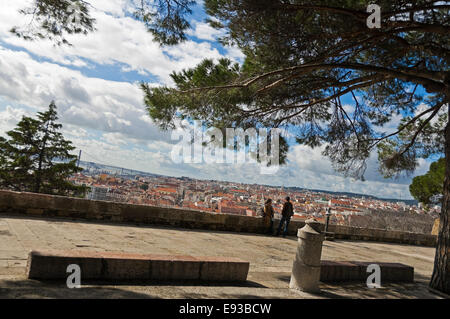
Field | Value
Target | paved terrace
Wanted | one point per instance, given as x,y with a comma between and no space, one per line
270,260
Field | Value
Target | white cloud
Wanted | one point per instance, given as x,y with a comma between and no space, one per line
90,103
118,39
9,118
204,31
235,53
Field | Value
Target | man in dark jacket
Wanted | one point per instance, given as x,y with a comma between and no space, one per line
286,215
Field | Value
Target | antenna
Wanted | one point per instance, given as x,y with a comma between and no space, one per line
78,162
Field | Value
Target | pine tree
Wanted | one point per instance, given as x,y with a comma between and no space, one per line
36,157
425,187
318,70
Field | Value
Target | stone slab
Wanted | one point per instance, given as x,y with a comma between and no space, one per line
356,271
52,264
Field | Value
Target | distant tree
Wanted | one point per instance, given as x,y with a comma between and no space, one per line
3,161
36,157
144,186
424,187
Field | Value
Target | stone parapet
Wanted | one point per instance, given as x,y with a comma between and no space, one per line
41,205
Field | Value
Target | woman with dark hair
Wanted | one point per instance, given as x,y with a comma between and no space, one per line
268,216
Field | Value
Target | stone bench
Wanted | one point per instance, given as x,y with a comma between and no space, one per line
340,271
124,266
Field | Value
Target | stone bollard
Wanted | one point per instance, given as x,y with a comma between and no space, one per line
306,269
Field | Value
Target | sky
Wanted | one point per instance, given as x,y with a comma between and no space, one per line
95,84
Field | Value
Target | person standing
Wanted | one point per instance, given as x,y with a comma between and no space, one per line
286,214
268,216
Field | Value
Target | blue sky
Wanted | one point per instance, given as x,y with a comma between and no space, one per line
95,86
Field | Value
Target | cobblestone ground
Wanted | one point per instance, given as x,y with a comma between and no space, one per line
270,261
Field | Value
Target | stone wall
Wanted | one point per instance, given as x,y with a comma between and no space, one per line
40,205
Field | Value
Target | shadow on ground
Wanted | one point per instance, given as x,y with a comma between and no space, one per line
355,290
29,289
176,283
37,289
33,289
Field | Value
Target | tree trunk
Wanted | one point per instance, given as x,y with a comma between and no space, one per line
440,280
38,180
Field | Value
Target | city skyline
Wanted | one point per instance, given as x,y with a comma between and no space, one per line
223,197
114,170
